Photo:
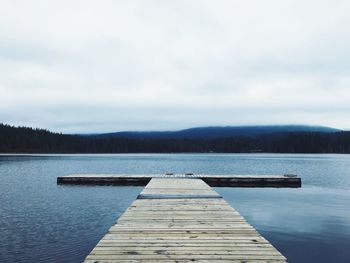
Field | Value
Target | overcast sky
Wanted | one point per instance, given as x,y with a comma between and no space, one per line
100,66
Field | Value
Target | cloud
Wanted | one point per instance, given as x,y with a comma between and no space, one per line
90,66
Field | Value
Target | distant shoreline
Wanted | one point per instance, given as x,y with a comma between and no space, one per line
207,140
178,153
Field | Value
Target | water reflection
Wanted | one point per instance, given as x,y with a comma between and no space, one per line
310,224
43,222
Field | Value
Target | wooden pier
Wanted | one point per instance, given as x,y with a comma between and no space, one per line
212,180
181,220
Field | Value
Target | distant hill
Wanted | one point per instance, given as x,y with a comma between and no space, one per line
218,132
249,139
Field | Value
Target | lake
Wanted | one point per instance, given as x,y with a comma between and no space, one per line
41,221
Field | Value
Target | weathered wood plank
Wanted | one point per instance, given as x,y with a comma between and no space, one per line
182,261
188,228
212,180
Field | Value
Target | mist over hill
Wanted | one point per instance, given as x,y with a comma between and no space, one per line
218,132
243,139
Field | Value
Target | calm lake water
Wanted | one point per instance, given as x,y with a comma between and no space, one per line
41,221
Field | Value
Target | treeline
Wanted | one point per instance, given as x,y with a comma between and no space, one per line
28,140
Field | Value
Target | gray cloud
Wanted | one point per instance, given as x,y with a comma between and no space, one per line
88,66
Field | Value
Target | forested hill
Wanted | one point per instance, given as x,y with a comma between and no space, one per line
280,140
218,132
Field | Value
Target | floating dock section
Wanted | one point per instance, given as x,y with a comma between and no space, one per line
211,180
181,220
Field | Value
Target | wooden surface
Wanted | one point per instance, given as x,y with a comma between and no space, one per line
182,220
212,180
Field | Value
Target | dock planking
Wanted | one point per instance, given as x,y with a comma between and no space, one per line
212,180
182,220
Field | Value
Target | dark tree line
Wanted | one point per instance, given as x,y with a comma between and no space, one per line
28,140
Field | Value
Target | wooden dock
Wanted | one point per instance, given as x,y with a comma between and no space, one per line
182,220
212,180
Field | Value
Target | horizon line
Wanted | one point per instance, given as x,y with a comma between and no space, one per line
177,130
